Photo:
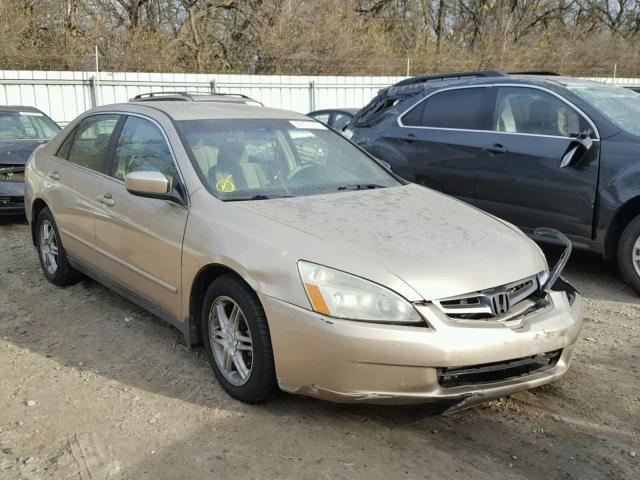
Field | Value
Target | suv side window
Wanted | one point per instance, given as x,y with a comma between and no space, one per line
532,111
88,143
142,147
460,108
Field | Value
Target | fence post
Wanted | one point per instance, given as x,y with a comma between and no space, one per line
93,92
312,95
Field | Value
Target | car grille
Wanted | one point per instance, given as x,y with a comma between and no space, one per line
11,202
12,173
493,303
498,371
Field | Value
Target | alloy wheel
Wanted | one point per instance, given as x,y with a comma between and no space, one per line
48,247
230,340
635,256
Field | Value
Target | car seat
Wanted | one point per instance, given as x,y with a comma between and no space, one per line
543,118
232,167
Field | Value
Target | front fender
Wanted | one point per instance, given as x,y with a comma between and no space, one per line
394,156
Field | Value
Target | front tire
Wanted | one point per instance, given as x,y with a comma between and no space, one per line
53,259
237,340
629,254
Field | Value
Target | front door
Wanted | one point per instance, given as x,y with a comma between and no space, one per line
140,238
523,180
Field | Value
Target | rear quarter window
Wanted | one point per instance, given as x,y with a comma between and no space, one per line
462,108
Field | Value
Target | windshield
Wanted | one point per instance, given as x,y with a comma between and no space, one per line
620,105
26,126
243,159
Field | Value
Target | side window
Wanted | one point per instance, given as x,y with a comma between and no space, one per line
142,147
528,110
460,108
309,147
340,121
87,144
322,117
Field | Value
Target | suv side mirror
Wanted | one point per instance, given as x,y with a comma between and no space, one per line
386,165
148,184
577,150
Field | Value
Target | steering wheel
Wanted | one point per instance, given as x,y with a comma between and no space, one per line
300,171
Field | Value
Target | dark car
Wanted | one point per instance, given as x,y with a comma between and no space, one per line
336,118
535,150
196,97
22,130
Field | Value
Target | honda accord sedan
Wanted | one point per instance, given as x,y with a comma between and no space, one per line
298,261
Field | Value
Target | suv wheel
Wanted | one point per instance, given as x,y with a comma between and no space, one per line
629,254
237,340
53,258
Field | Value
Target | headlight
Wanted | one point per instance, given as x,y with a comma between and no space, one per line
543,278
341,295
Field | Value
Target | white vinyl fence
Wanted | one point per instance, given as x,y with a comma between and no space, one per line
65,95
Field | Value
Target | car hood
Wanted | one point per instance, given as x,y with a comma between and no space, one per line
16,152
436,244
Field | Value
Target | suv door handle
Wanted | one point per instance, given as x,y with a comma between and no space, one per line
410,137
53,175
106,199
495,148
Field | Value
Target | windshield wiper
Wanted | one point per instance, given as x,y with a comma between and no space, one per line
360,186
259,196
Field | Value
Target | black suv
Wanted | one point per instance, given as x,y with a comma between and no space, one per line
534,149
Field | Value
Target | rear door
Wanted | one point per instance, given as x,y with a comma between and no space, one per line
73,176
442,139
140,239
522,181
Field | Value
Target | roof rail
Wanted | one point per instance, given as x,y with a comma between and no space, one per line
159,94
537,72
185,94
446,76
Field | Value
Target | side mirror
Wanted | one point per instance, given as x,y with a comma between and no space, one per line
147,184
386,165
577,150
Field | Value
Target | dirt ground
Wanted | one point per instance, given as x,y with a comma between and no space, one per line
93,387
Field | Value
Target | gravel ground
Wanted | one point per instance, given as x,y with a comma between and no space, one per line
93,387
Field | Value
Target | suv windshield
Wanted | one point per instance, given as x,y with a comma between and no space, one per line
252,159
621,106
26,126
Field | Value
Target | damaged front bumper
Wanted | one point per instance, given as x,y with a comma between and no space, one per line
11,197
355,362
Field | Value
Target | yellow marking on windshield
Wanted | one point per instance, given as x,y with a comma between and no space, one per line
226,185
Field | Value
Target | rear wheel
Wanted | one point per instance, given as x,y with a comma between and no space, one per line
53,258
237,340
629,254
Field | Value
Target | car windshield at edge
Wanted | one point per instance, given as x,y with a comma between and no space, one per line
260,159
26,125
621,106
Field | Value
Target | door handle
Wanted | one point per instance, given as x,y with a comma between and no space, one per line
53,175
409,138
495,148
106,199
